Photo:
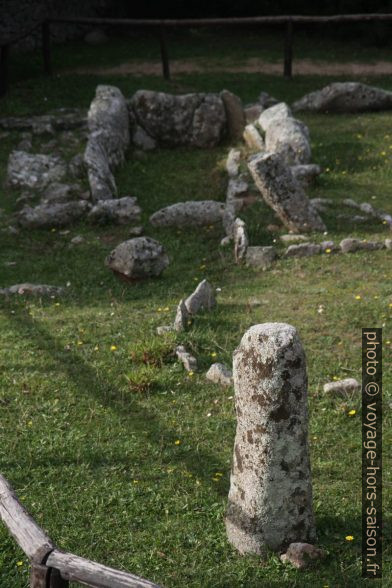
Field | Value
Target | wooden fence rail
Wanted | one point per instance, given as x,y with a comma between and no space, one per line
51,567
160,25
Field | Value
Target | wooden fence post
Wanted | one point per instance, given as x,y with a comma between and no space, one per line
288,50
46,54
164,54
4,58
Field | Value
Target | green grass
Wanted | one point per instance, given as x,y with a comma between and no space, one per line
88,435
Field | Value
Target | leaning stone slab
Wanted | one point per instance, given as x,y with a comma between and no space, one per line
301,555
272,115
203,298
182,317
28,170
100,176
234,114
284,194
303,250
188,361
191,213
32,289
290,138
49,215
138,258
241,240
351,245
121,211
233,162
261,257
220,374
342,386
345,97
270,497
253,139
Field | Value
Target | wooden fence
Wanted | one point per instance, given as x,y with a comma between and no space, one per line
51,567
162,25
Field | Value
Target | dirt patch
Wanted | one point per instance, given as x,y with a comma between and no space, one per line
253,65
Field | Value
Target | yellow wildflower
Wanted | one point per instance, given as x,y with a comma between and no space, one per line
349,538
113,348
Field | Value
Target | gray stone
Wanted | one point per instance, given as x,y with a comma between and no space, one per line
345,97
351,245
141,140
253,139
138,258
241,240
328,247
261,257
220,374
96,37
76,166
303,250
191,213
306,174
284,194
26,170
100,176
388,243
58,192
120,210
188,361
266,101
270,497
202,298
301,555
162,330
252,112
234,114
209,122
347,385
182,317
290,138
292,238
77,240
32,289
274,114
52,214
136,231
233,162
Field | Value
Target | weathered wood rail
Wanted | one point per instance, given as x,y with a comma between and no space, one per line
51,567
288,21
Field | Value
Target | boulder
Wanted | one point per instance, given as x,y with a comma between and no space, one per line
27,170
274,114
345,97
182,317
191,213
241,240
234,114
220,374
121,211
261,257
52,214
138,258
290,138
283,193
290,238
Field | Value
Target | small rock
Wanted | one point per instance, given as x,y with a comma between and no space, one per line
27,170
119,210
138,258
233,162
261,257
266,101
189,362
136,231
303,250
253,139
202,298
253,302
300,555
241,240
342,386
142,140
191,213
182,317
351,245
236,188
32,289
291,238
78,240
164,329
220,374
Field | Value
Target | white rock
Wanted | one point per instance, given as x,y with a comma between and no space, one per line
342,386
220,374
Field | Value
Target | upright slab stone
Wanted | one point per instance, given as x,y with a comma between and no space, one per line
270,497
284,194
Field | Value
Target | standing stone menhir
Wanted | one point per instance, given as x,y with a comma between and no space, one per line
270,498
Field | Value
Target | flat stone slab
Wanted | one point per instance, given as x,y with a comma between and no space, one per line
342,386
52,214
32,289
28,170
261,257
119,210
303,250
351,245
138,258
345,97
187,214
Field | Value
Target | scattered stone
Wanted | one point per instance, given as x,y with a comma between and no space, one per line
347,385
284,194
303,250
274,114
306,174
328,247
32,289
234,114
252,112
182,317
164,329
261,257
76,166
345,97
321,204
138,258
241,240
301,555
290,138
136,231
220,374
26,170
189,361
58,192
120,210
191,213
49,215
270,497
253,139
96,37
291,238
202,298
351,245
388,243
78,240
233,162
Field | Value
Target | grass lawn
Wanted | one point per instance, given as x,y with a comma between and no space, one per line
111,446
